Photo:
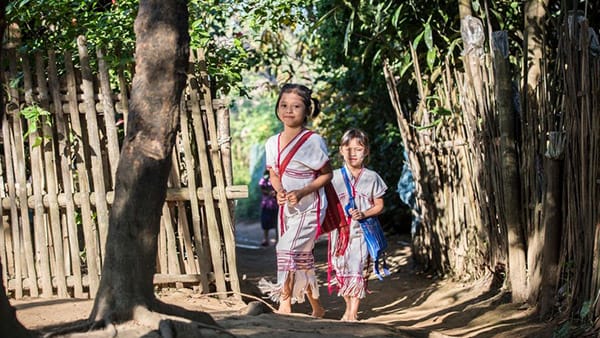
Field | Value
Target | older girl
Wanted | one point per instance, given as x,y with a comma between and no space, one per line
298,161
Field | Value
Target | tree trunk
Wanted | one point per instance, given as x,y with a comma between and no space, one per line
517,268
9,325
162,50
552,224
535,11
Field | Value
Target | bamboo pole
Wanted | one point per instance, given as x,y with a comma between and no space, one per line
11,172
3,240
51,181
20,165
214,235
94,142
163,266
108,109
183,227
202,250
226,215
594,167
224,138
67,179
40,231
89,228
173,266
173,195
6,256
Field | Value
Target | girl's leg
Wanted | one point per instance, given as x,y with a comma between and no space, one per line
317,310
347,311
285,301
265,241
353,315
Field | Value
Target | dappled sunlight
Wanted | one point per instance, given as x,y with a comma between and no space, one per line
406,300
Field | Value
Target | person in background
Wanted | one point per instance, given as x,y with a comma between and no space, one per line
298,162
368,189
268,207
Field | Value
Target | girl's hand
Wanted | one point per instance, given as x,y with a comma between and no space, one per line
281,197
356,214
293,197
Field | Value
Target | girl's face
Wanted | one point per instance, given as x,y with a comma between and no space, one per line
354,153
291,110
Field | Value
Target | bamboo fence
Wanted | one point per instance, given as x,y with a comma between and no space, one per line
580,110
464,194
57,182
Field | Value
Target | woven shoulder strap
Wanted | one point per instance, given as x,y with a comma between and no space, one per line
283,165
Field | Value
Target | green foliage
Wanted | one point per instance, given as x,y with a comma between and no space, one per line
215,26
35,115
57,23
252,123
355,38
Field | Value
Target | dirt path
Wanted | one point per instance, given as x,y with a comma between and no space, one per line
405,304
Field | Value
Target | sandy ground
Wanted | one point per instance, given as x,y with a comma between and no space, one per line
405,304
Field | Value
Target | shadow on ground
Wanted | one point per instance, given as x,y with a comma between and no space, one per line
415,304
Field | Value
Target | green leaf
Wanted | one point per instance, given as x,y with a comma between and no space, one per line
428,36
431,57
37,142
396,16
31,129
417,40
585,309
349,29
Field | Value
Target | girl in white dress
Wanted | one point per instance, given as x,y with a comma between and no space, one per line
368,189
298,162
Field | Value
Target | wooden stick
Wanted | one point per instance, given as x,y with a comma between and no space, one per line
94,142
89,228
67,179
51,182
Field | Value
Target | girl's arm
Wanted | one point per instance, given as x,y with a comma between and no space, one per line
375,210
325,176
278,187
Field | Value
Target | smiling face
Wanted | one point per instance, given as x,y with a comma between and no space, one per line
354,153
291,110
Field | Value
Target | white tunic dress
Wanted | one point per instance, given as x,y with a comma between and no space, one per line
349,268
298,224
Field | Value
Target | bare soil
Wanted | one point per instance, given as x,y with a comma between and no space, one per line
404,304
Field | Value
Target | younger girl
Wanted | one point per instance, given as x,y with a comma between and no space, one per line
368,189
299,167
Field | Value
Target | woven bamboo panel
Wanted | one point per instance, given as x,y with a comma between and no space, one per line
58,172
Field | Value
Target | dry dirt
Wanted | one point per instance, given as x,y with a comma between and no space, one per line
405,304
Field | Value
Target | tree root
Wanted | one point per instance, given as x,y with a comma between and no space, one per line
241,294
166,320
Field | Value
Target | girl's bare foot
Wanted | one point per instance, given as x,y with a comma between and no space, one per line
284,310
285,305
318,312
349,319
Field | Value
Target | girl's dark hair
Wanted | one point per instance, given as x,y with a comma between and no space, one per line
312,105
354,133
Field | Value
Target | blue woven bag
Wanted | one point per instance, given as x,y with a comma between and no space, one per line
373,232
